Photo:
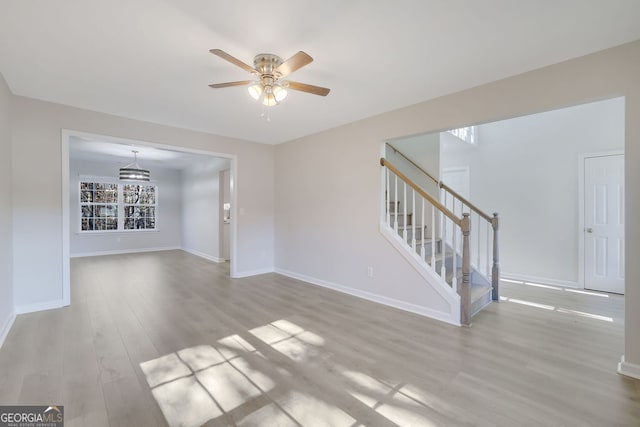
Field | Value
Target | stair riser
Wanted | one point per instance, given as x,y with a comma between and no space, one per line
392,219
419,234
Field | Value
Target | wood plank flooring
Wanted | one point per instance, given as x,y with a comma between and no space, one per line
168,338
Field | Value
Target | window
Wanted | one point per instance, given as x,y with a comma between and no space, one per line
99,205
109,206
467,134
139,207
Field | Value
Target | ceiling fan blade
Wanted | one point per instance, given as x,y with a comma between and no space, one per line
224,55
294,63
229,84
316,90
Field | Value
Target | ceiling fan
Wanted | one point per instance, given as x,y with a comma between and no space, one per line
270,69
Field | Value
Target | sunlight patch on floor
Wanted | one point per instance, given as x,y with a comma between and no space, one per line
541,285
583,314
395,403
531,304
200,383
557,309
231,381
291,340
196,385
557,288
590,293
185,403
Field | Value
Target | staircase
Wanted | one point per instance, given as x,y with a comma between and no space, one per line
437,237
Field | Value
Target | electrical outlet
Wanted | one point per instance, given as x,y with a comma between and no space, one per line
370,272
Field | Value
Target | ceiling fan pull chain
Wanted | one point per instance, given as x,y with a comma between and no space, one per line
265,114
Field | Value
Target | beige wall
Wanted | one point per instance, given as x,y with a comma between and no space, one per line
328,184
6,275
37,208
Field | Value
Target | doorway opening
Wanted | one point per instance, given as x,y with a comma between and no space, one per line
190,189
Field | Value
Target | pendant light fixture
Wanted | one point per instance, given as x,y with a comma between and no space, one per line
133,172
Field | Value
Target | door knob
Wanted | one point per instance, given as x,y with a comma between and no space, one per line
589,230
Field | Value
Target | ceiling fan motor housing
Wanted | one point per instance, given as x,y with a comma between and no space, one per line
266,63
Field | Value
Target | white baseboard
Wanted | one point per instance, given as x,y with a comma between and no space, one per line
250,273
39,306
629,369
124,251
380,299
203,255
6,327
541,280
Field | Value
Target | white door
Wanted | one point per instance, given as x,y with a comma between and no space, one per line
604,223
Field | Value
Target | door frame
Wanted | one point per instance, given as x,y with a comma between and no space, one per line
581,197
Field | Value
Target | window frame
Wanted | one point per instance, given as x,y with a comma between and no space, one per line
120,205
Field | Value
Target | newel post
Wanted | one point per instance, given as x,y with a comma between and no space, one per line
495,270
465,289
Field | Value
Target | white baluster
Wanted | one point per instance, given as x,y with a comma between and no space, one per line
413,223
454,267
388,198
395,206
404,208
453,227
477,234
443,268
433,237
422,254
487,254
453,203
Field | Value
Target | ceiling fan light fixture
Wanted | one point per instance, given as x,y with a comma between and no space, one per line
280,93
269,99
133,172
255,90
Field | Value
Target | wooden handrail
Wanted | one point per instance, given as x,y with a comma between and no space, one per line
413,163
445,186
434,202
466,202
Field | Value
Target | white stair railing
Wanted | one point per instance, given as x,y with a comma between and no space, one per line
427,244
483,237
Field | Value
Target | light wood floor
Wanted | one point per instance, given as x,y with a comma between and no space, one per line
167,338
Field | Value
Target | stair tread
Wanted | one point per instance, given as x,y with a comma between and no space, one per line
438,239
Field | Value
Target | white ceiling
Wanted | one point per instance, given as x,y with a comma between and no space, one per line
149,59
